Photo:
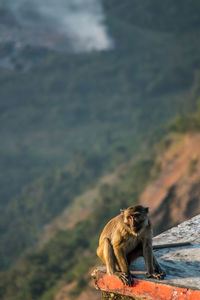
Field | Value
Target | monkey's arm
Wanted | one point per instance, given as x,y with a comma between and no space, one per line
124,275
118,244
121,258
157,267
153,268
118,248
148,255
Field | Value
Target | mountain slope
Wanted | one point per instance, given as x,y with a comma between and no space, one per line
169,184
175,195
65,259
168,181
99,101
108,105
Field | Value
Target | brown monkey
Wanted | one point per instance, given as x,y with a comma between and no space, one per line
123,239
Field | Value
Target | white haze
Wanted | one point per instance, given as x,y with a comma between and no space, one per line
79,24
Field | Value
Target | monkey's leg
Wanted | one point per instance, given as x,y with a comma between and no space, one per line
157,268
138,252
124,275
148,257
151,262
107,255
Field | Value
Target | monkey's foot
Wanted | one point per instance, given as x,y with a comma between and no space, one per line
126,278
158,276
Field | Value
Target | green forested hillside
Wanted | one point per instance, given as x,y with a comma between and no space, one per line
42,200
69,255
108,105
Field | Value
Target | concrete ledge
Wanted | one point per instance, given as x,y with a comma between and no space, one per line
145,289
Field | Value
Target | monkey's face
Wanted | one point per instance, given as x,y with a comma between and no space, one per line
136,217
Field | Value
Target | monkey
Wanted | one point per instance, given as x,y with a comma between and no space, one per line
125,238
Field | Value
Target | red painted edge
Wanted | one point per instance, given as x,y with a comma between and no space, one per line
145,289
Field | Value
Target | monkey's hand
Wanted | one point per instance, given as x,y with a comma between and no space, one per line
126,278
158,276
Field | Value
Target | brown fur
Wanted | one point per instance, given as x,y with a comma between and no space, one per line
123,239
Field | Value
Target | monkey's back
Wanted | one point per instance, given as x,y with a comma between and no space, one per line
110,228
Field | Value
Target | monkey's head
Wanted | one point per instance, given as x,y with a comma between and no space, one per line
136,217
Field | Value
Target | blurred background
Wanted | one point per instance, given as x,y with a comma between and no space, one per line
99,110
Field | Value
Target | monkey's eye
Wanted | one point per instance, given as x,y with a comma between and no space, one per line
136,216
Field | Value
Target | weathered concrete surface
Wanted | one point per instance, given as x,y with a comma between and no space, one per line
184,232
181,264
144,289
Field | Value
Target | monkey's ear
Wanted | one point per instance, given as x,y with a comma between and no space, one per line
146,209
122,211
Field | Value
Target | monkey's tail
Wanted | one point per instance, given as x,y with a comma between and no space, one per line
173,245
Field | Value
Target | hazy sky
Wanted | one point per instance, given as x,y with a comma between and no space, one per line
82,21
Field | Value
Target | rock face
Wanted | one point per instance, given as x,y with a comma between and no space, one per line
175,195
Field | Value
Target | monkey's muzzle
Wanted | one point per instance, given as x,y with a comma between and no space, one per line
135,224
